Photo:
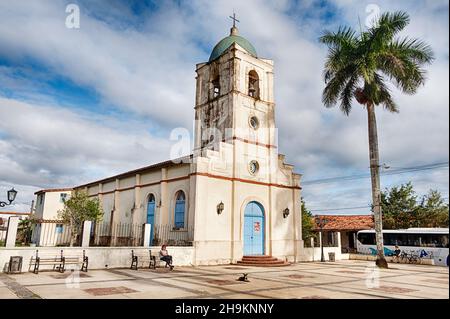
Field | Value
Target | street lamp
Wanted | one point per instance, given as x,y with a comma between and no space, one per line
321,222
11,197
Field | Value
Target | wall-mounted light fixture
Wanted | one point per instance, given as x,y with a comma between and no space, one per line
286,212
220,208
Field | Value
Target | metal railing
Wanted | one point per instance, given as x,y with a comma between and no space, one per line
117,234
126,234
170,236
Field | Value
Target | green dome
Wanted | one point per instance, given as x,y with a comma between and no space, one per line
225,43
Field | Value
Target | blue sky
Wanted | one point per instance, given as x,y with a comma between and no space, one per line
81,104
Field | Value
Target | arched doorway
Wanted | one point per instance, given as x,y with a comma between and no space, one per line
151,216
254,229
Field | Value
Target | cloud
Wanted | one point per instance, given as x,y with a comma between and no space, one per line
47,146
140,63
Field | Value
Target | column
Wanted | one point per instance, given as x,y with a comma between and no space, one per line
86,235
147,232
11,234
164,207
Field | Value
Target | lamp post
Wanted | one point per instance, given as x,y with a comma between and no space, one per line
11,197
321,222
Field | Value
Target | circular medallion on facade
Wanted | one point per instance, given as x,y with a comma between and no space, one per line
254,122
253,167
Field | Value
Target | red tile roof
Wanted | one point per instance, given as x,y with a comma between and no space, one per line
347,222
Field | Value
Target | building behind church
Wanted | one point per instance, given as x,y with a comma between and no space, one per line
234,196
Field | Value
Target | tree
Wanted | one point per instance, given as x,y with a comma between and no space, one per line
399,206
25,229
77,209
307,223
402,208
432,211
360,67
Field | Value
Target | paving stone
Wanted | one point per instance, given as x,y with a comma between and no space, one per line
109,291
303,280
224,282
299,276
392,289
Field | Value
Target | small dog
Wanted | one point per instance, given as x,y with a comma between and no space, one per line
243,278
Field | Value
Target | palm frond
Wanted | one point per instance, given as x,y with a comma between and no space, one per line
414,49
383,94
343,37
347,94
335,85
389,24
401,61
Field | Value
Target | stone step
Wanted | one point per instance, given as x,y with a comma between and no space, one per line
262,261
262,257
245,258
274,261
276,264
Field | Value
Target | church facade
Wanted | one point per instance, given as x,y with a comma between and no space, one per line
235,191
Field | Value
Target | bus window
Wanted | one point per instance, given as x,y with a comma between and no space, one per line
366,238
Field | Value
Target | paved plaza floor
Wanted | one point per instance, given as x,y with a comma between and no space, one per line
342,280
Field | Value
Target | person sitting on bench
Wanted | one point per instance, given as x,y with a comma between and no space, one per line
164,256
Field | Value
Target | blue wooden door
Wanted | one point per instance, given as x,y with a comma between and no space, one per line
151,216
254,229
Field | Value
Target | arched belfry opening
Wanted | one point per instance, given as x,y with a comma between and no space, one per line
216,86
253,84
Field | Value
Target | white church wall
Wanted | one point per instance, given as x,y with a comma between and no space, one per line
151,177
178,171
93,190
107,204
212,231
127,182
126,203
109,186
283,229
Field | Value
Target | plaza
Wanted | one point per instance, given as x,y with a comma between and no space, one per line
339,280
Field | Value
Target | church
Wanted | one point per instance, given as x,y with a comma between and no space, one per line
235,191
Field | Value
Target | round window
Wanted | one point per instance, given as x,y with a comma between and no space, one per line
254,122
253,167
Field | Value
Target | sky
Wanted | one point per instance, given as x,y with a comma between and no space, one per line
80,104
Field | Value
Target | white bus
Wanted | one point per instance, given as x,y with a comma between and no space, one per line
429,243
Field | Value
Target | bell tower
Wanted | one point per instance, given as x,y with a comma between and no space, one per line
234,96
237,170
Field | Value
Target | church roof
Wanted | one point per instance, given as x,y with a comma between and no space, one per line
227,42
177,161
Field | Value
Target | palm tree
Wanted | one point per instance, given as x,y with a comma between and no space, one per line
360,67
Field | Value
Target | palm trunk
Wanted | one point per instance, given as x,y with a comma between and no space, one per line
375,177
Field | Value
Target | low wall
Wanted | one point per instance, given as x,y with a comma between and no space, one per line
314,254
423,261
99,257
